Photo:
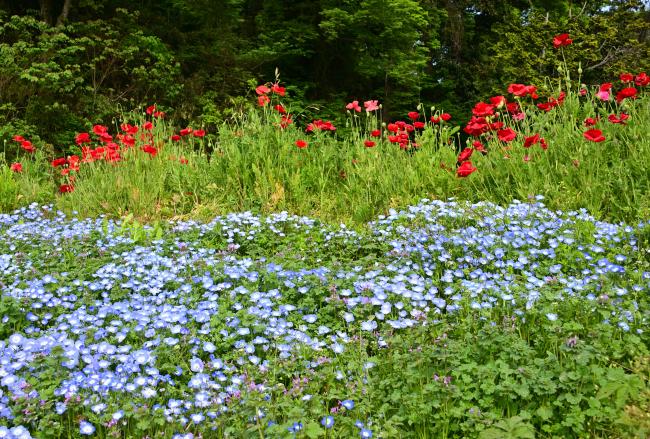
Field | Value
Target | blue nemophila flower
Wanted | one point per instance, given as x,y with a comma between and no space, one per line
551,316
348,404
86,428
296,427
19,432
149,392
327,422
365,433
173,288
60,408
197,418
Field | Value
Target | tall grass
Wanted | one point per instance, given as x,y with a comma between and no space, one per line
252,164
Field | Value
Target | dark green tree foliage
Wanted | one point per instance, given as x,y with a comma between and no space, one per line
55,79
67,63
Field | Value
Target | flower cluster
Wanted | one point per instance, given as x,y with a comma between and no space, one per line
101,146
186,328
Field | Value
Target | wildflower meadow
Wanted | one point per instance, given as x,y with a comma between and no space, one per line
296,276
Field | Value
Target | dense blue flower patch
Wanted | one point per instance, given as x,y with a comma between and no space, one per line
186,323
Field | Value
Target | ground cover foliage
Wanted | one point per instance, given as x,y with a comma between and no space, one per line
447,319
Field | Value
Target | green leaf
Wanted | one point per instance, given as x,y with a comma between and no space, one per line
313,430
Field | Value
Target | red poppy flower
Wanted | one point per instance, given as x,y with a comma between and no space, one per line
59,162
199,133
263,100
498,101
435,119
301,144
583,92
129,129
73,162
393,139
513,107
375,133
464,155
393,128
280,109
99,129
126,140
479,147
150,150
476,126
594,135
186,131
626,77
562,41
105,137
183,160
321,125
65,188
371,106
482,109
285,121
603,91
506,135
530,141
113,156
369,143
176,138
27,146
82,138
629,92
16,167
354,106
522,90
543,144
465,169
619,120
418,125
147,126
275,88
18,138
495,126
151,109
546,106
413,115
642,79
446,117
590,121
262,90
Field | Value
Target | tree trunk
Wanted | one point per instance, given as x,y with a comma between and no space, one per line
63,16
46,11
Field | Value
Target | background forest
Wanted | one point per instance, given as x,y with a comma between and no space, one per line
64,63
